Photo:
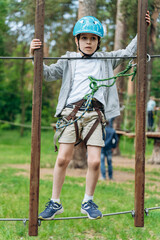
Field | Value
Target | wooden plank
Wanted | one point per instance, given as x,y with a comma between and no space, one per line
132,134
141,88
153,134
36,122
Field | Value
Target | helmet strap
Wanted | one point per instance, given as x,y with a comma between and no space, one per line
85,55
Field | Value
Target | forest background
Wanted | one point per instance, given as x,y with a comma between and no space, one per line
17,18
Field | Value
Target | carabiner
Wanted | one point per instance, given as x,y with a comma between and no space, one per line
132,65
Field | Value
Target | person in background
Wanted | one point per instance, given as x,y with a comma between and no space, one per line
151,107
111,141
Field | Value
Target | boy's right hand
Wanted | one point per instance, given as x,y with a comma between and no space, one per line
35,44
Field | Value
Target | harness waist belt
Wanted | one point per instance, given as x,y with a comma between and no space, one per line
94,104
80,109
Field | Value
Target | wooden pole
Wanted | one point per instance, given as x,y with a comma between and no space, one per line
36,122
141,88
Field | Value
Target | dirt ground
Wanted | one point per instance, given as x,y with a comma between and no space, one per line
118,161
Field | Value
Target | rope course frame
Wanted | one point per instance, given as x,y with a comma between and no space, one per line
34,190
22,125
73,58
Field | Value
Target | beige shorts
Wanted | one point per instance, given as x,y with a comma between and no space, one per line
84,125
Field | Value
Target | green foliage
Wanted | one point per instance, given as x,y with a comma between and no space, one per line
17,82
3,26
155,79
129,111
3,31
9,102
129,8
18,74
127,147
106,13
17,19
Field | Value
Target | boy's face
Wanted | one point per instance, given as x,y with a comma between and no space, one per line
88,43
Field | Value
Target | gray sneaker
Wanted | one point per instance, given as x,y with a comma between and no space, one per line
52,209
91,209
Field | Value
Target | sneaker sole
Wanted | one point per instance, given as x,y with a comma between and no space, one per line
52,217
85,212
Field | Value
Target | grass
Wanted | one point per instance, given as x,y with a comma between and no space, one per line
111,197
11,145
128,150
17,150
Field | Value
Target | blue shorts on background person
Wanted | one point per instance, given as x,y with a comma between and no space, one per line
111,140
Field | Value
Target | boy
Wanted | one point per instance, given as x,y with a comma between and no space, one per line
75,85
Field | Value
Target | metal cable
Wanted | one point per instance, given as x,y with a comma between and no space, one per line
79,217
14,219
75,58
23,125
153,208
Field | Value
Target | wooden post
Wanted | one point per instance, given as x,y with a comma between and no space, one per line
141,88
36,122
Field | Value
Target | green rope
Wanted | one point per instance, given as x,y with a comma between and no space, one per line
93,81
67,123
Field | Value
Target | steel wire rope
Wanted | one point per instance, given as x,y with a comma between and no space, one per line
73,58
22,125
132,212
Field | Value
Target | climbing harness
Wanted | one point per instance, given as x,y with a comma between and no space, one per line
89,102
84,106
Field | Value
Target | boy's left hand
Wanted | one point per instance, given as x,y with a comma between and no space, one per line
148,19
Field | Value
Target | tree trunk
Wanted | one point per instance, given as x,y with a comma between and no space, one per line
155,158
131,87
86,8
119,41
79,157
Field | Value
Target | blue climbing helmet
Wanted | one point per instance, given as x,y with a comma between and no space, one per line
88,24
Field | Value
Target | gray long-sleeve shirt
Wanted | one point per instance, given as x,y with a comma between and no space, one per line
64,69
